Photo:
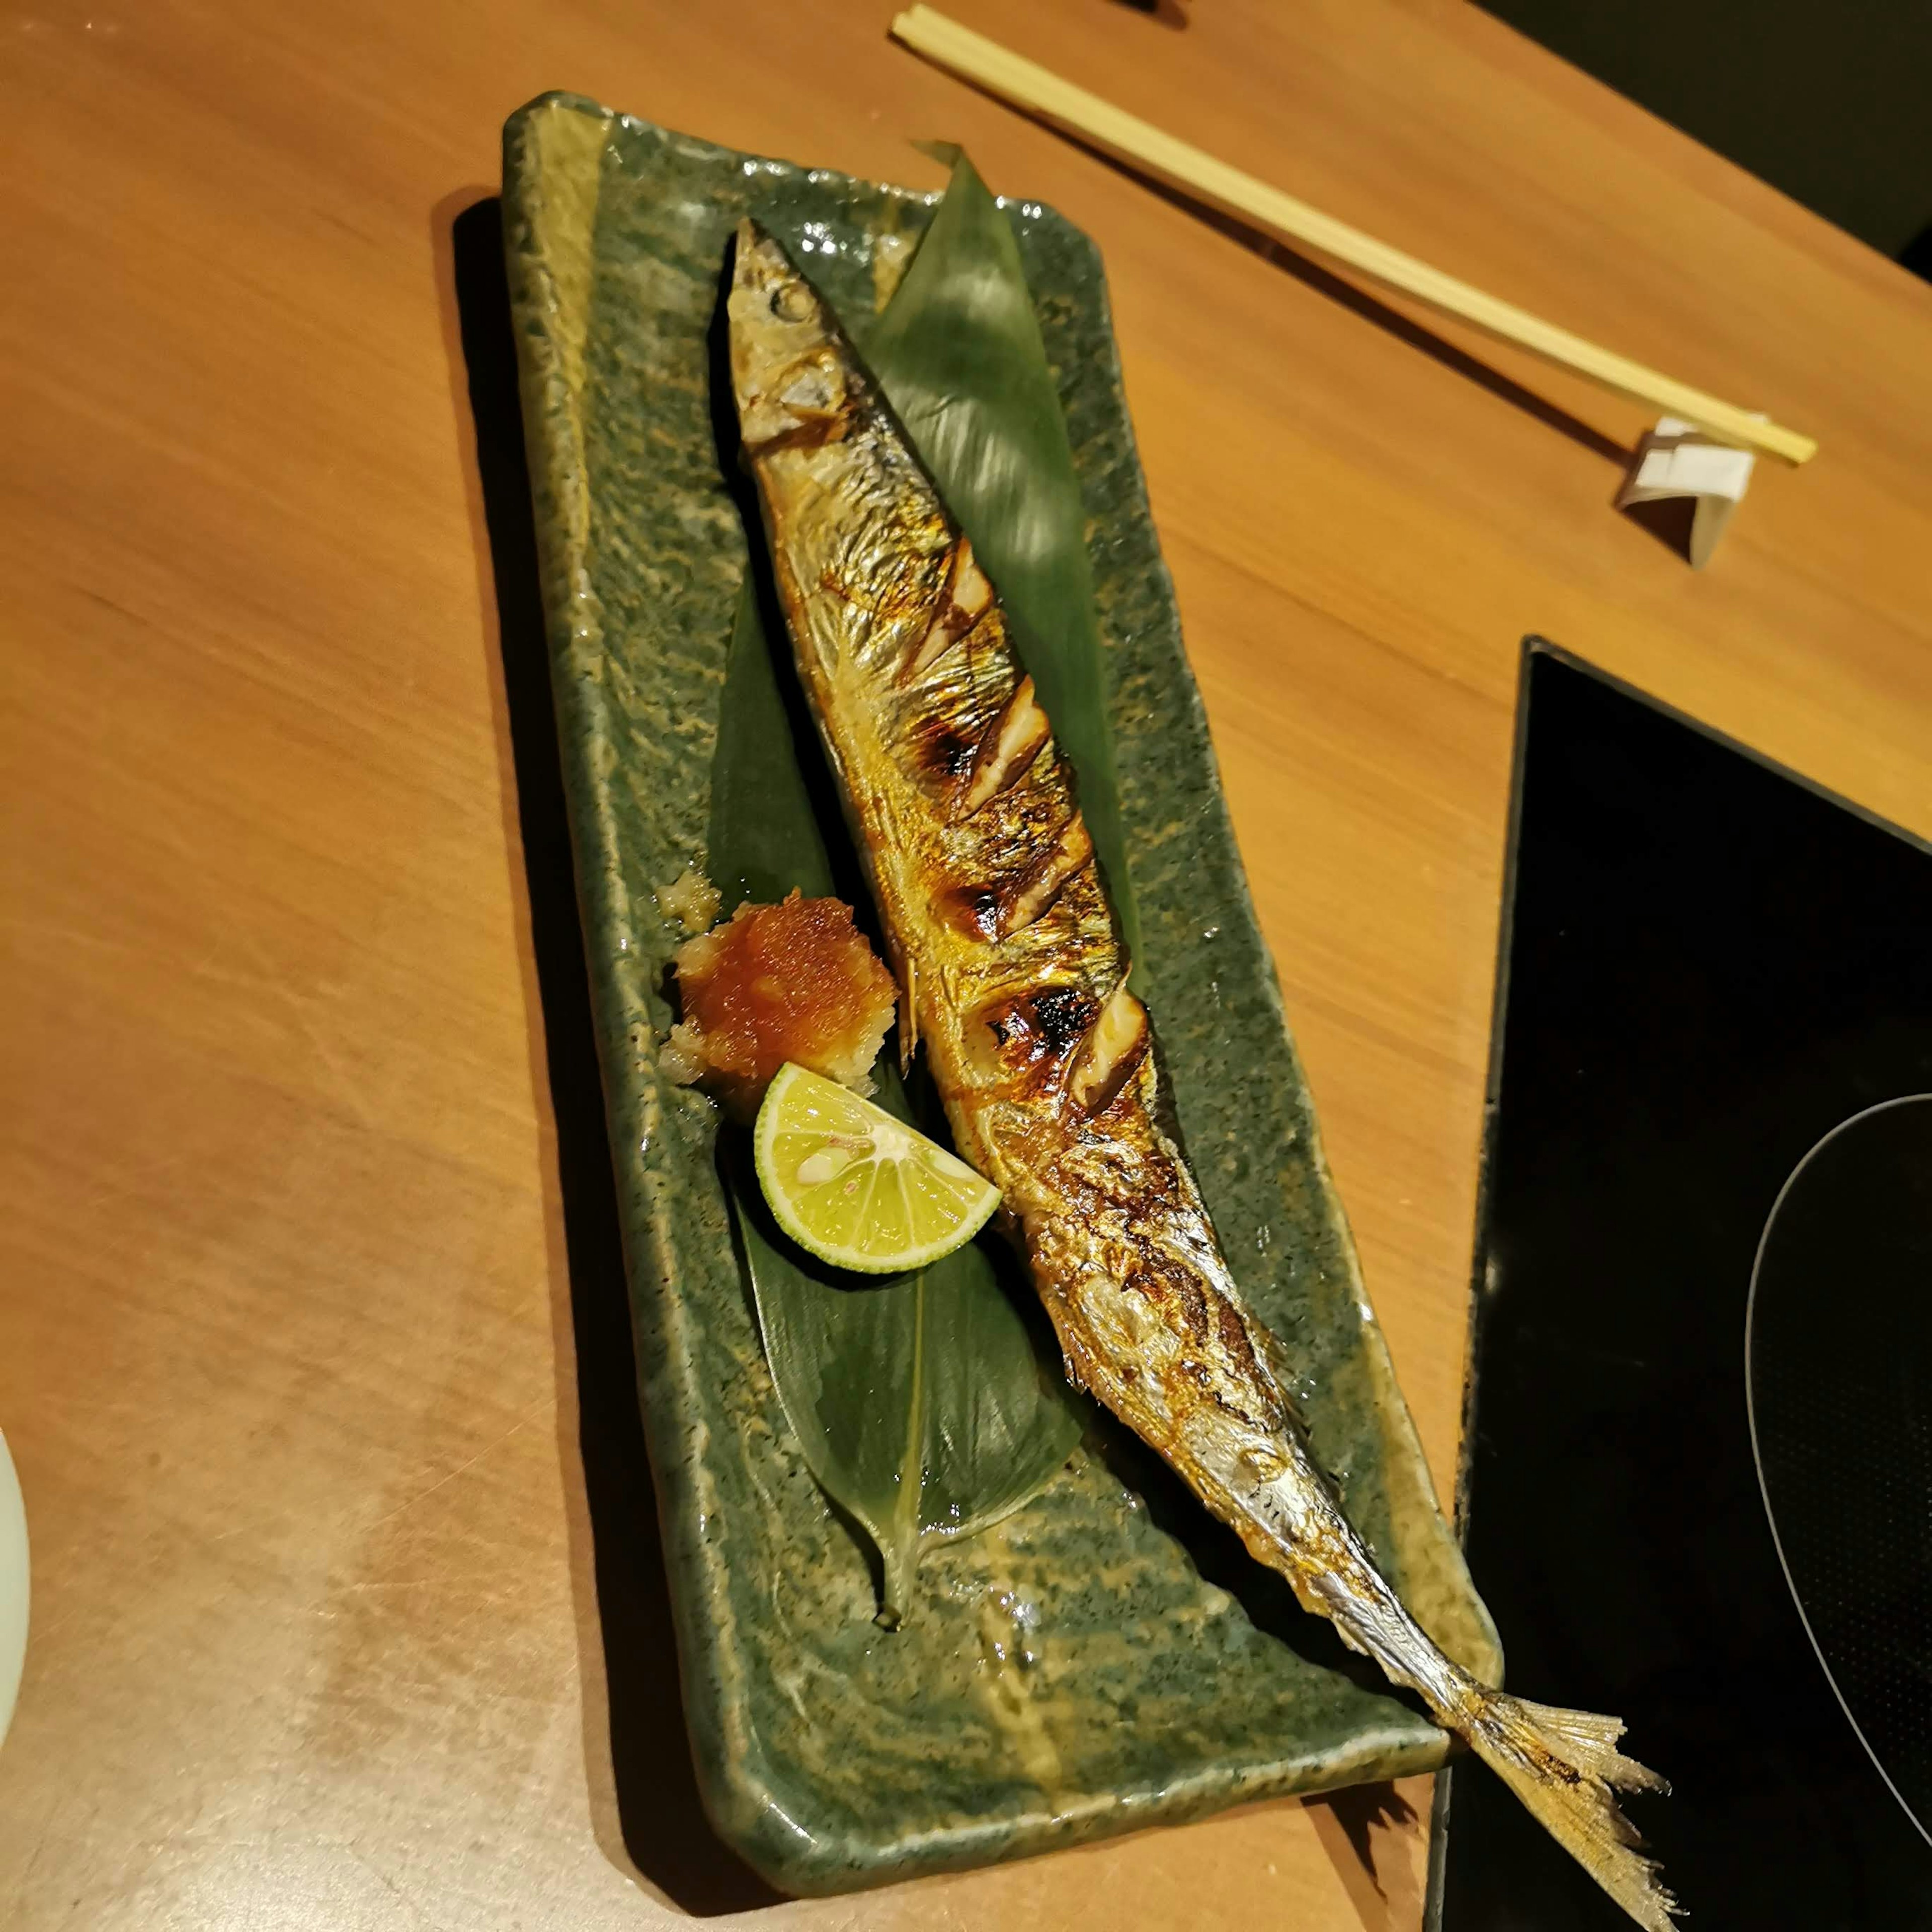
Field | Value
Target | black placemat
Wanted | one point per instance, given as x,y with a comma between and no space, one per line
1841,1423
1709,965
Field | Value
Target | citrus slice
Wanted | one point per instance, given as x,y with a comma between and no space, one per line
856,1187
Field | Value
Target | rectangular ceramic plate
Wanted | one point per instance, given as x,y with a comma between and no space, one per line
1107,1658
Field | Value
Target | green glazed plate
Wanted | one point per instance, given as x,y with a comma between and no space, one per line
1107,1658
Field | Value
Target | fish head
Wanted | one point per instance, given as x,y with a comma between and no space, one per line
794,381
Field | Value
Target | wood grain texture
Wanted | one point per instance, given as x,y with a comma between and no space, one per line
1205,178
288,1341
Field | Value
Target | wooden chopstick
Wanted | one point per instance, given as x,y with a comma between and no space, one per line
1021,82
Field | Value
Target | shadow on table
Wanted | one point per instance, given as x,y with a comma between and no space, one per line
1367,1833
640,1778
1670,521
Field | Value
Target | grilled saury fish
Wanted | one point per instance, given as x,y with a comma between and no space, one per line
1015,982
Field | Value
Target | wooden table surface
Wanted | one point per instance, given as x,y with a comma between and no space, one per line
347,1609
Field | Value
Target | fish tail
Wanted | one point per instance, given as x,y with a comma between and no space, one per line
1564,1766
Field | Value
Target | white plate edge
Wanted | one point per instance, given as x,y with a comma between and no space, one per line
15,1578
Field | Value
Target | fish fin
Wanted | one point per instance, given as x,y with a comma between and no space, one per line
1563,1765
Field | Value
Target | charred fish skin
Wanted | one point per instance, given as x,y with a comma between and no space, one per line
1016,981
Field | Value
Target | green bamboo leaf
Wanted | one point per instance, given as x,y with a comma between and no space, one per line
763,838
923,1404
958,354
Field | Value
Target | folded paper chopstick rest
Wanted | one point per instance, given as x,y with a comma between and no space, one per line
1676,462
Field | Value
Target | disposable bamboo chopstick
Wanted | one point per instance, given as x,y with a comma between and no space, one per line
1019,81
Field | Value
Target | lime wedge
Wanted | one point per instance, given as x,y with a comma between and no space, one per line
856,1187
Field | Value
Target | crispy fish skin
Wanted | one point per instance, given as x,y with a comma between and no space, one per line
1014,976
